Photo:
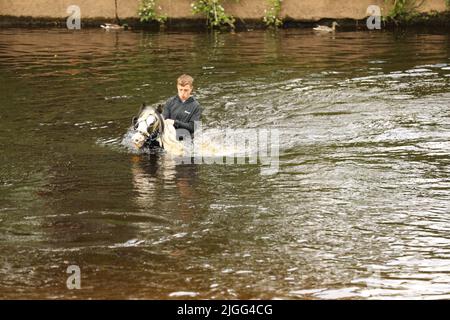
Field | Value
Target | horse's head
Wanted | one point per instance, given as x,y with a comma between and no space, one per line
149,121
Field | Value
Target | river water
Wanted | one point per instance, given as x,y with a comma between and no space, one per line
358,207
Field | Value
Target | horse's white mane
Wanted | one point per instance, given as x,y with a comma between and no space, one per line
169,140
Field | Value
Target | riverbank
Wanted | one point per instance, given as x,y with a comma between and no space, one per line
248,14
439,21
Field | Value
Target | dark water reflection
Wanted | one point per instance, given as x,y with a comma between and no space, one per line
358,209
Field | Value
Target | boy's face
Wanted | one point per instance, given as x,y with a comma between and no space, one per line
184,92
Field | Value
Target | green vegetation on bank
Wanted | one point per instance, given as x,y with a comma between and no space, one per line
406,13
403,10
271,17
214,12
147,12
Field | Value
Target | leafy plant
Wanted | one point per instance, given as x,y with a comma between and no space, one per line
403,9
214,12
271,15
147,12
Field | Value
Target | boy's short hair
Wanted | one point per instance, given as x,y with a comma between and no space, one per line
184,80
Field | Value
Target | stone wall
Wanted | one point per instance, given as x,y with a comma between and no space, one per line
302,10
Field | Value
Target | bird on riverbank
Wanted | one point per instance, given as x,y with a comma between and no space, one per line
112,26
326,28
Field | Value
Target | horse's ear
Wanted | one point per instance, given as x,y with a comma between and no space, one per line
134,121
160,108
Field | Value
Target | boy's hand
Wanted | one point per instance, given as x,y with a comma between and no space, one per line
170,121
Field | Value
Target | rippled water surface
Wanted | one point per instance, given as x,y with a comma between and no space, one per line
358,209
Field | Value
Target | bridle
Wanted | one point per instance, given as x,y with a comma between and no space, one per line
147,122
150,122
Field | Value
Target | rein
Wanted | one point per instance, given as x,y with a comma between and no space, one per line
161,127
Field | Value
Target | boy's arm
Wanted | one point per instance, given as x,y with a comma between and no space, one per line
189,125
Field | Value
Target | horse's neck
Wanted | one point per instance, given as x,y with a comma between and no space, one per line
169,140
169,133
